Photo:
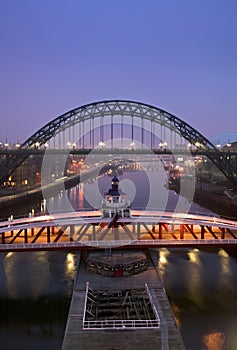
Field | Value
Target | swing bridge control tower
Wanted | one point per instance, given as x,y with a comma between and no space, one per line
115,203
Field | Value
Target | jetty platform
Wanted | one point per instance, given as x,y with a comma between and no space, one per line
165,336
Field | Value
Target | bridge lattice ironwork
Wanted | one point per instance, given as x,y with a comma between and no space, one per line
149,126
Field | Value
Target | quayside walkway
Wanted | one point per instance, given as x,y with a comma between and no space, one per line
162,335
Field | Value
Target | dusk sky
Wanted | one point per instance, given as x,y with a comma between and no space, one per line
178,55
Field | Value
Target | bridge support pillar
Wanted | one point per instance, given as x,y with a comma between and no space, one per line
133,228
115,233
25,235
93,233
160,231
3,237
72,231
138,230
223,233
202,232
48,234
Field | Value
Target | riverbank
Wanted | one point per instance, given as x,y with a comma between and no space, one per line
215,202
14,204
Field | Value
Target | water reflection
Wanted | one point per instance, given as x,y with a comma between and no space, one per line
194,256
35,291
26,270
163,260
202,287
214,341
194,278
70,265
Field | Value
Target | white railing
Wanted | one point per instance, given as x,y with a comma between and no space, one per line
121,324
152,303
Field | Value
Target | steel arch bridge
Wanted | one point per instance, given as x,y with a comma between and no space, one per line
141,124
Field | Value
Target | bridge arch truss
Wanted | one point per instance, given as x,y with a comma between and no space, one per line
92,120
134,124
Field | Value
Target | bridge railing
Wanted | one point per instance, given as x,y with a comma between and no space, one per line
81,214
120,243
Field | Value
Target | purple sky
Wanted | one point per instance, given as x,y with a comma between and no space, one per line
179,55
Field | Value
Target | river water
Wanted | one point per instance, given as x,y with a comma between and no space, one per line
35,288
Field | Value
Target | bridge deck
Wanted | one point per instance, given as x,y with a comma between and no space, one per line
88,229
167,337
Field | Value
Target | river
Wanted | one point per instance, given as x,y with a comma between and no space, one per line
35,288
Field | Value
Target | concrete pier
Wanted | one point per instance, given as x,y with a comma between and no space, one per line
166,337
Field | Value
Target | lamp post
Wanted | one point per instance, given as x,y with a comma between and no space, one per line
132,145
101,145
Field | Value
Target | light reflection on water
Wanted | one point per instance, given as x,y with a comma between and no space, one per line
26,271
202,287
35,289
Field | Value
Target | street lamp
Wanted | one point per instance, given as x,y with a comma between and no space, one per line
228,144
101,144
189,145
132,145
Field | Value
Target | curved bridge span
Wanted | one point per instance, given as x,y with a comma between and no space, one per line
83,230
118,124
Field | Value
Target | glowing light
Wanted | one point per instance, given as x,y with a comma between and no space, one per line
223,253
224,262
9,254
101,144
214,341
163,256
70,264
194,256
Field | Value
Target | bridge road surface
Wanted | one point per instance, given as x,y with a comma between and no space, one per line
167,337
